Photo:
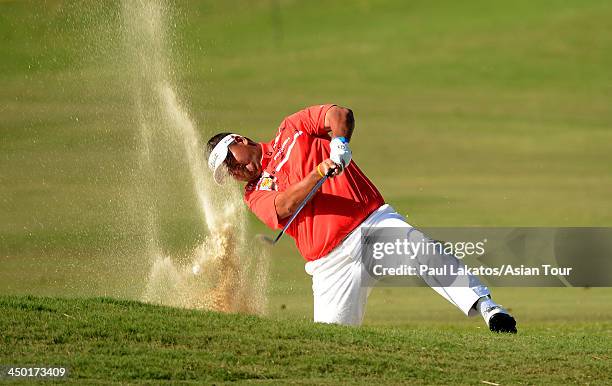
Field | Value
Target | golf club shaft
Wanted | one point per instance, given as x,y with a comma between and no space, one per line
303,204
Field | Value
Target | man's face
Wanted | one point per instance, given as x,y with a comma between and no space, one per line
243,160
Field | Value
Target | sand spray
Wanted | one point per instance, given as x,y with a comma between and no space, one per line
223,273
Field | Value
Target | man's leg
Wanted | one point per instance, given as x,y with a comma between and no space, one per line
340,296
466,292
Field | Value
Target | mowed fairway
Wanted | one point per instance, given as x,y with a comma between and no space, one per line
110,340
468,114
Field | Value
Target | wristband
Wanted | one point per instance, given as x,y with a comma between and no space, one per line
342,139
319,171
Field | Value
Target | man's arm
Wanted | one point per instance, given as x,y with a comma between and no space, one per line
287,202
340,122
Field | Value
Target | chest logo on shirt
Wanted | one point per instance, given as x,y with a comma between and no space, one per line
266,182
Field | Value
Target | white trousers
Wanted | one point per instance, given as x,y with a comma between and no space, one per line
340,296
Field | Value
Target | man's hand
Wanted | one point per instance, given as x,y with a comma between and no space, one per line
324,167
340,152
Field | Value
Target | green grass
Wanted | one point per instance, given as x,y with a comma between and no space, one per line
105,340
468,114
471,114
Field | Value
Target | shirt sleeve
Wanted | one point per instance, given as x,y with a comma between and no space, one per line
261,202
311,120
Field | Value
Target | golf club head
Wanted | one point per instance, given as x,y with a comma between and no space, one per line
265,239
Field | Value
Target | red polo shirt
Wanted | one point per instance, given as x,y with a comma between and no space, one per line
341,204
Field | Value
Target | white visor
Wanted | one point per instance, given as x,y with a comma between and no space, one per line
218,155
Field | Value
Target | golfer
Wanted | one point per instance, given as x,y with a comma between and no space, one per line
279,175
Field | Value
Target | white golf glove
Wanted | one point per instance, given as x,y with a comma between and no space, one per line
340,152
